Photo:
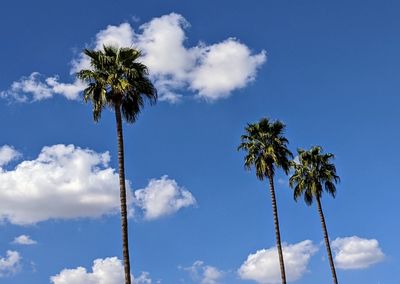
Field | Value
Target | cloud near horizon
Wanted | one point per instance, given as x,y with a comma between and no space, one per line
211,72
263,266
104,271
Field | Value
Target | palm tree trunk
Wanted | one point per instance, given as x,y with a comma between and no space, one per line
124,217
277,231
326,238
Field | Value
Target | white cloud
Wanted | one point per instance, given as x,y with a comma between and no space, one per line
8,154
24,240
69,90
121,35
35,88
162,197
10,264
144,278
204,274
356,253
67,182
212,71
263,266
224,67
104,271
64,182
28,85
162,41
169,61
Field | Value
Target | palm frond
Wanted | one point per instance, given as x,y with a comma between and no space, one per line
266,147
116,78
312,174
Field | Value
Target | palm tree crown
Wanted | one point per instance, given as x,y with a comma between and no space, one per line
313,173
266,147
116,79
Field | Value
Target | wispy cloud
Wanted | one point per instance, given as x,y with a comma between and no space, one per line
24,240
36,87
204,274
10,264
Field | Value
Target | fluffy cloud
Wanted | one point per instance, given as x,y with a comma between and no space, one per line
24,240
7,154
169,61
204,274
356,253
224,67
67,182
36,88
212,71
10,264
64,182
263,266
162,197
104,271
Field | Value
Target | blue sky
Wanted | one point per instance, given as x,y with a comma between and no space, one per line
328,70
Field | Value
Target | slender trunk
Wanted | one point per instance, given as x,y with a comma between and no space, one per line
277,231
124,217
326,238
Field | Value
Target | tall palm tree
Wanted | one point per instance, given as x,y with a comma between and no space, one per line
266,149
314,173
117,80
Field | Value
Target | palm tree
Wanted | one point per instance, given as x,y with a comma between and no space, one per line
313,173
266,149
117,80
